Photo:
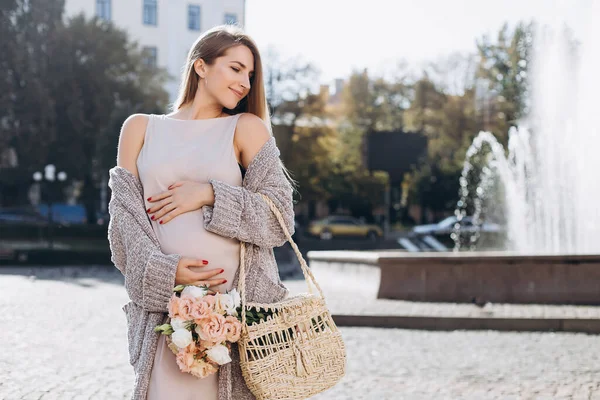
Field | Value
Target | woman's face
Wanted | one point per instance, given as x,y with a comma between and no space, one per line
228,79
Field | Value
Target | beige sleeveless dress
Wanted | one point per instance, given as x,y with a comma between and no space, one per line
195,150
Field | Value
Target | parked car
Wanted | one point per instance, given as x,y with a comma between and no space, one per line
72,214
21,215
65,213
446,226
343,226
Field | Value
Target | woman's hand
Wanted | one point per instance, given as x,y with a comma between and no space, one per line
185,276
181,197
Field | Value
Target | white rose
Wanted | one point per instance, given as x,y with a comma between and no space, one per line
219,354
194,291
236,297
182,338
231,311
226,303
177,324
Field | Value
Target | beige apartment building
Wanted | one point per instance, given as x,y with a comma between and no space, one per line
164,28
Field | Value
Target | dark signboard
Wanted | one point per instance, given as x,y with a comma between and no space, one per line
395,152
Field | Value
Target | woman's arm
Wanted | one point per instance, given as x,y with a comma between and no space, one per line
131,141
149,274
240,212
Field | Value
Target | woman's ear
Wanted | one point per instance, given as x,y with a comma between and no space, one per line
200,68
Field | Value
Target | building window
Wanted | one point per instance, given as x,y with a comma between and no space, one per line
150,56
150,12
103,9
231,19
194,18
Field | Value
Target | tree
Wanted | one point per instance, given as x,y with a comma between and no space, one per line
292,98
30,28
290,87
369,104
67,89
310,161
102,78
502,78
448,121
453,73
28,122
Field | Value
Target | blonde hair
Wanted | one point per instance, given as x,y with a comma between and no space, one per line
211,45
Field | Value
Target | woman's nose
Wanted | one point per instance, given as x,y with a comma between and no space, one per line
246,83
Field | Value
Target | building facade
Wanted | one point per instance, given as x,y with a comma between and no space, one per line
165,29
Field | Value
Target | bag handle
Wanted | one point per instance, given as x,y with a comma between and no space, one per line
308,276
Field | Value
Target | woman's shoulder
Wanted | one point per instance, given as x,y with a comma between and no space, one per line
251,133
252,123
131,141
136,121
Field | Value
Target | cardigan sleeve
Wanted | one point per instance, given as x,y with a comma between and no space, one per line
149,273
241,213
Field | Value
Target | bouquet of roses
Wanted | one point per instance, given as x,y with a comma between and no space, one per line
201,328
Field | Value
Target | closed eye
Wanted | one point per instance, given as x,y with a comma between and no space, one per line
235,69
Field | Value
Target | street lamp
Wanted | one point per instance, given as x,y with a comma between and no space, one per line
49,176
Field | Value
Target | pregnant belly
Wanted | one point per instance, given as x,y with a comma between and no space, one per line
185,235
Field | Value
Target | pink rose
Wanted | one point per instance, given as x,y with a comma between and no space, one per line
202,369
200,348
212,328
233,329
173,306
186,306
200,311
210,300
191,348
185,360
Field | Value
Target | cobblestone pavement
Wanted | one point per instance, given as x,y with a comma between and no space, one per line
63,337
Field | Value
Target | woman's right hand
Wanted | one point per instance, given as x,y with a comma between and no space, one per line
185,276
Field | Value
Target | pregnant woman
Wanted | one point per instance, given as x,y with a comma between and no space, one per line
180,207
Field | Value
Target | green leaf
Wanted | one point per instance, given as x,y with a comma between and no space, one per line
178,288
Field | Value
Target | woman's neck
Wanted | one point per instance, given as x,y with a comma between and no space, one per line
202,107
191,112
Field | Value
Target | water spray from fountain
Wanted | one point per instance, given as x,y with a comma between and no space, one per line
546,179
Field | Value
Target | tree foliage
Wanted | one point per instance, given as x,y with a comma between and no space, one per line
68,86
502,78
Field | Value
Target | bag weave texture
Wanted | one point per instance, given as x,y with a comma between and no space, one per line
297,351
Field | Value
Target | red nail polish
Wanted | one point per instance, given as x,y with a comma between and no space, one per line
160,222
204,262
222,271
152,218
148,210
224,280
149,198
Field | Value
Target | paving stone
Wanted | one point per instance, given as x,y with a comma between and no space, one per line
64,337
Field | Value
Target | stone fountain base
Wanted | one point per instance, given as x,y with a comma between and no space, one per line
497,277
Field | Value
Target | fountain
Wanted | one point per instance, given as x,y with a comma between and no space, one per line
543,187
547,180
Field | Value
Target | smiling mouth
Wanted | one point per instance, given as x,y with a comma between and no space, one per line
238,94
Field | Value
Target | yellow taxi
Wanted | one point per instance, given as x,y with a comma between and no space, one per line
343,226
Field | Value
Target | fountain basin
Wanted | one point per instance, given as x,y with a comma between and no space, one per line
498,277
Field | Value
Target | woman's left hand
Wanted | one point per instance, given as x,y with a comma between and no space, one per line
181,197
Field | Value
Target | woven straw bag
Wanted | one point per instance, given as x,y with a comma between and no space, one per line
297,351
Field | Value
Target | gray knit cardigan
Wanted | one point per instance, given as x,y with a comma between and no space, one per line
238,212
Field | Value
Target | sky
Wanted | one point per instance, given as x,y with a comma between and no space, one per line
339,36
